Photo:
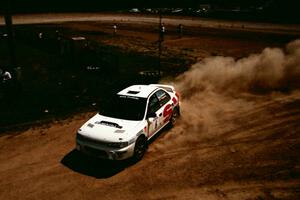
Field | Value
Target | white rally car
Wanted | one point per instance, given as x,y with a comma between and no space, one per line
122,128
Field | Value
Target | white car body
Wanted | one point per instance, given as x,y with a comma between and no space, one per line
115,138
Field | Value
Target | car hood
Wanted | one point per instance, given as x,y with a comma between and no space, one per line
109,129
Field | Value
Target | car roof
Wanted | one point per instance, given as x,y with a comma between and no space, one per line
142,91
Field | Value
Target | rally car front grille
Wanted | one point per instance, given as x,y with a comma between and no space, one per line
84,139
96,152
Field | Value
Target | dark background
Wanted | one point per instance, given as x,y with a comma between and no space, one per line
257,10
81,74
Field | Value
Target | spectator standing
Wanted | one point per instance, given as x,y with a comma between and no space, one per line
5,76
115,27
180,30
6,84
162,32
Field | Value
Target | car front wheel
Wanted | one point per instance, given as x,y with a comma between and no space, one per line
140,148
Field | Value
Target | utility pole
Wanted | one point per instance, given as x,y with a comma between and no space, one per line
160,40
10,34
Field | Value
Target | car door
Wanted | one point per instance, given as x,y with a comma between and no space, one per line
159,103
153,109
166,108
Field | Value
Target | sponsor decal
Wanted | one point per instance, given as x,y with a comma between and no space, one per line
167,113
174,100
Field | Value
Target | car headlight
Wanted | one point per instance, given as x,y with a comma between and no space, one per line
131,141
117,144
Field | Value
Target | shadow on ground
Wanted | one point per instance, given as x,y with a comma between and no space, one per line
92,166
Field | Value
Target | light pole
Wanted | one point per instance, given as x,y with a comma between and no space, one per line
10,35
160,40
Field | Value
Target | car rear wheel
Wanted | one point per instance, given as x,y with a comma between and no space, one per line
140,148
174,117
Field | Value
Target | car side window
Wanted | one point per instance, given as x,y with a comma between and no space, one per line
163,97
153,105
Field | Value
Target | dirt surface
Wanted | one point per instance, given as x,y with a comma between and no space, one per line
237,138
253,154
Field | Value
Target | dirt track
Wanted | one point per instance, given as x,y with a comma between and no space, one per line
240,145
253,155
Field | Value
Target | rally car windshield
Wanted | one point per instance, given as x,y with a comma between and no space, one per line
124,107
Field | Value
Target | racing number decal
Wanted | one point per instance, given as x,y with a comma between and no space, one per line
167,113
152,127
155,127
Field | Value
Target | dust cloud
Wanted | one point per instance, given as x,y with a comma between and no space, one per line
273,69
218,90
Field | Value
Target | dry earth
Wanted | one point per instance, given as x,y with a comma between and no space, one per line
253,154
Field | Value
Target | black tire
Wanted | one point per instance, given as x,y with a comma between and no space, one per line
174,117
140,148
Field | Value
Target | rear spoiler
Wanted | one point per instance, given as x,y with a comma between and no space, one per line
169,88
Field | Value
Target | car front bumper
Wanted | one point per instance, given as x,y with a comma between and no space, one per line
105,152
